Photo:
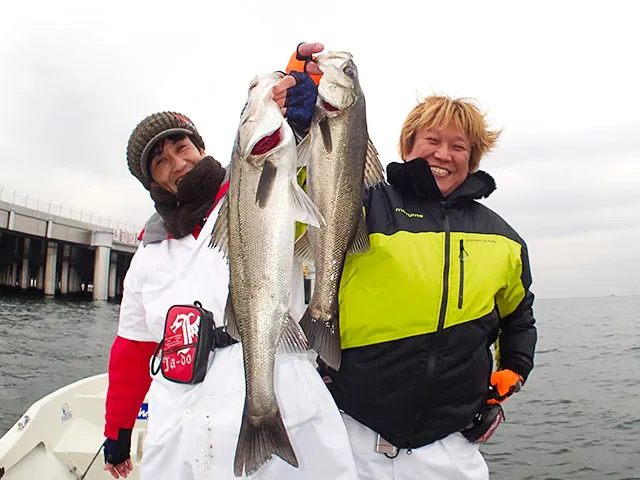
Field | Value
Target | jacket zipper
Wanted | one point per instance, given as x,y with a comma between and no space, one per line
431,360
463,257
445,275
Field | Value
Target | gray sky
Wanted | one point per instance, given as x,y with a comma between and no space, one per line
560,78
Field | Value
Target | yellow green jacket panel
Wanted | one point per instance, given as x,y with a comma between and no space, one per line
442,281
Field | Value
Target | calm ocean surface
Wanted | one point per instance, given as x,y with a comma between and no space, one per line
577,418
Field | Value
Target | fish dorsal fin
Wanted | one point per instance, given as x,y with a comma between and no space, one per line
230,319
302,250
373,170
292,338
360,242
304,210
303,151
220,234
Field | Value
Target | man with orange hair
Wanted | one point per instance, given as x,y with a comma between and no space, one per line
444,280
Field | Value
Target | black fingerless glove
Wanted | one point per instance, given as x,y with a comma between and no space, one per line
117,451
300,102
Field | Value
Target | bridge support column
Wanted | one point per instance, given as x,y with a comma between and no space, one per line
113,268
13,273
64,275
102,241
72,288
24,271
40,278
51,279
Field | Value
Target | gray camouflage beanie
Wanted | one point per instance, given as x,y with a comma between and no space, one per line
148,132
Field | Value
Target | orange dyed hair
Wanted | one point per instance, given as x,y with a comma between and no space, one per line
440,111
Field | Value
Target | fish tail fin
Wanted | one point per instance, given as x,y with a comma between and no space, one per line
260,438
323,336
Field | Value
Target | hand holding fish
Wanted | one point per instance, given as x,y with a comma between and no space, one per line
304,55
297,92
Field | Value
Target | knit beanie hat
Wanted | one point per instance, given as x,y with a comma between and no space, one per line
148,132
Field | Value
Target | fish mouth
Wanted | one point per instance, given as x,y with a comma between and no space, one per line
327,106
267,143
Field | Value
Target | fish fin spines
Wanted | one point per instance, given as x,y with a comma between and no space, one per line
230,319
260,438
360,242
220,233
373,170
324,337
302,250
305,211
292,338
303,150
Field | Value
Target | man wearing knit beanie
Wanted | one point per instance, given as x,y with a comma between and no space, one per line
193,429
149,132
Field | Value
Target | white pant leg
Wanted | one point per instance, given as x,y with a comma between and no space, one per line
320,442
370,464
452,458
193,431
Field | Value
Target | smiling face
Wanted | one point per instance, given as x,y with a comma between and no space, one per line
171,158
448,153
451,135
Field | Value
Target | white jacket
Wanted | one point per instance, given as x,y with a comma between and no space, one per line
193,429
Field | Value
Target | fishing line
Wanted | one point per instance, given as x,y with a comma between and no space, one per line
94,459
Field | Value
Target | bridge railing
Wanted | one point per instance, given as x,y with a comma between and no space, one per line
123,231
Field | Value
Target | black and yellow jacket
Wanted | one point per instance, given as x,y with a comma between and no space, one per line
444,279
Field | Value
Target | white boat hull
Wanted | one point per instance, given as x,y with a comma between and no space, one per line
58,437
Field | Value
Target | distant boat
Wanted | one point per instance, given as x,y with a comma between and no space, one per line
59,435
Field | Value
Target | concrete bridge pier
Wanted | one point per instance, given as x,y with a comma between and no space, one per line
102,241
74,284
64,274
51,279
40,278
113,270
24,271
13,274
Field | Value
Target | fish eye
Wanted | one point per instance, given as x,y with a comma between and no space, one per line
350,70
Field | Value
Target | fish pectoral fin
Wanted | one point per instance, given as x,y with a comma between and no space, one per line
304,151
265,184
302,250
220,233
292,338
230,319
325,133
304,210
360,243
373,170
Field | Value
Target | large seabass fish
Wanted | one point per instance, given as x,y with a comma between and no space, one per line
256,230
340,161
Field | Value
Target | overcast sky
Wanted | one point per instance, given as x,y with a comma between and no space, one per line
561,79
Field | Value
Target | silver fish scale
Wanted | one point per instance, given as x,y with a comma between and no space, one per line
335,186
261,260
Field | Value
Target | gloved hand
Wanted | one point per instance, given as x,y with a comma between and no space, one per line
117,454
296,93
299,103
303,60
504,383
